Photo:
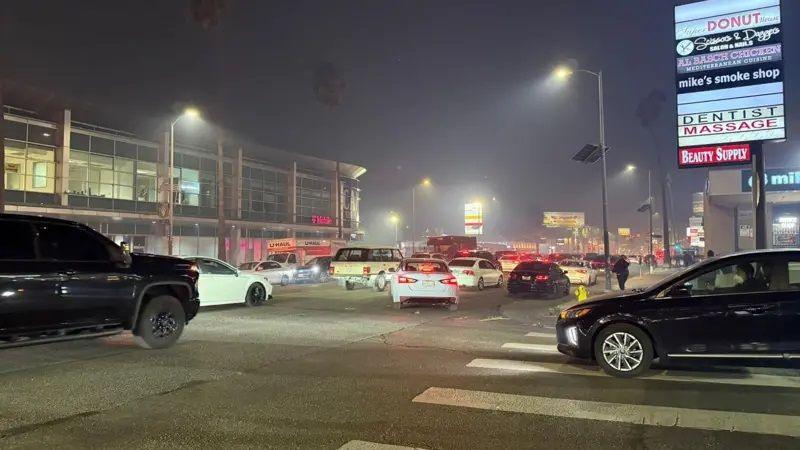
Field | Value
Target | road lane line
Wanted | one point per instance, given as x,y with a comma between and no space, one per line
664,416
364,445
537,348
544,335
739,379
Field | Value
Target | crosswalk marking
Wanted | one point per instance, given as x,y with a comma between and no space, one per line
748,379
365,445
538,348
544,335
615,412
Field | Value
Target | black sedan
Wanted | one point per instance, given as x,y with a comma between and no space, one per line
736,308
314,271
539,278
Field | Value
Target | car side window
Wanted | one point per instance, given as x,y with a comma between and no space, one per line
63,242
212,267
739,278
273,265
485,265
794,275
16,240
396,255
292,259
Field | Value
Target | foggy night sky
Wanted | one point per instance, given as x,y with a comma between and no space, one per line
453,90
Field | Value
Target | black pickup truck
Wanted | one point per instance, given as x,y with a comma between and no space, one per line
62,280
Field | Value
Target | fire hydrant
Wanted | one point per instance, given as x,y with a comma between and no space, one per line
581,293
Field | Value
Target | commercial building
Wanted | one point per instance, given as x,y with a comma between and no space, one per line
229,198
728,209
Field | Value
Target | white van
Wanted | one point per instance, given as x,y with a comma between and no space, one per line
370,266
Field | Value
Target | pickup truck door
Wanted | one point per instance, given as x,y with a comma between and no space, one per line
94,289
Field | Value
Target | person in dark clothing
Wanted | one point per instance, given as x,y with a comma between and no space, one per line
749,282
621,269
710,254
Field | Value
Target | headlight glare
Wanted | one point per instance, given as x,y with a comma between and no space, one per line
574,313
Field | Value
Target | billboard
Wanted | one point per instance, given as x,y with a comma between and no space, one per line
473,219
775,180
563,219
729,65
624,232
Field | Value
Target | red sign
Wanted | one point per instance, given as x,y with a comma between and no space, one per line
322,220
718,155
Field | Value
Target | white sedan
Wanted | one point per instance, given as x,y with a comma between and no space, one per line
476,272
273,271
579,271
424,280
220,283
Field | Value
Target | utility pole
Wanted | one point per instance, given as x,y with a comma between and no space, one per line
650,214
606,255
665,217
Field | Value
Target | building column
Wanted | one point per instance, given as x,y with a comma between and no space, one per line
62,158
162,180
293,194
234,253
221,226
338,200
237,183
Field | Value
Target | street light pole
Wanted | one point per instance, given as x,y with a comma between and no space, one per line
605,189
650,214
188,112
413,219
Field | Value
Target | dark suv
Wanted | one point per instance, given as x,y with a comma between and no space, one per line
62,280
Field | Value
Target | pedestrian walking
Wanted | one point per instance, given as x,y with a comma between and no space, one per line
621,269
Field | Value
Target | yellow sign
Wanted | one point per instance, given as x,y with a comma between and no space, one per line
624,232
473,219
563,219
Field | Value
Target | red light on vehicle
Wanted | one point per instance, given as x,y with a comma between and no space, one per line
365,271
542,277
330,270
450,281
469,272
402,279
581,270
426,268
513,276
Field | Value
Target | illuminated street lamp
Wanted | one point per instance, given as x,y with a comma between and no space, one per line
563,73
630,168
395,219
192,113
426,182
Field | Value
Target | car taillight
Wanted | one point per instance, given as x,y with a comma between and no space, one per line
581,270
330,270
402,279
513,276
449,280
542,277
469,272
366,270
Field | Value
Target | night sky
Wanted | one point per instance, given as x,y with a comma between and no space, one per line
453,90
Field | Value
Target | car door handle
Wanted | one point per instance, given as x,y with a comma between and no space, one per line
748,310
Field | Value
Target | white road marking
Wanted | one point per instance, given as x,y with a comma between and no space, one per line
740,379
544,335
666,416
364,445
537,348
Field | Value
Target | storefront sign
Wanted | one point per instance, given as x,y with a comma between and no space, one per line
322,220
473,219
714,156
695,221
563,219
729,79
698,203
624,232
776,180
276,245
746,231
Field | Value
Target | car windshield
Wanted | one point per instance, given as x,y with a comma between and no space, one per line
249,265
278,257
462,262
427,266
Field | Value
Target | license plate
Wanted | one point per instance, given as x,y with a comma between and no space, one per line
526,277
428,283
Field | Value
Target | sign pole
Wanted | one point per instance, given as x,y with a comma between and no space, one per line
759,197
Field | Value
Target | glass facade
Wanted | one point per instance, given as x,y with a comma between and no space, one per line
30,168
314,205
264,194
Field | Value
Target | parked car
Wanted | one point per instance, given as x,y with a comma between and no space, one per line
579,271
424,280
62,280
429,255
370,266
500,253
221,284
476,272
273,271
316,270
509,262
288,260
744,306
539,278
482,254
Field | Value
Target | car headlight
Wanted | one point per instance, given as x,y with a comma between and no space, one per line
315,269
574,313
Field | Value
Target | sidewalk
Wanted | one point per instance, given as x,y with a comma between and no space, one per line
543,313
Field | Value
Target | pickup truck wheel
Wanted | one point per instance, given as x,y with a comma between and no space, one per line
349,285
160,323
256,295
380,283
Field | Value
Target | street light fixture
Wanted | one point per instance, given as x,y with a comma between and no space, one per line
564,72
192,113
630,168
426,182
395,219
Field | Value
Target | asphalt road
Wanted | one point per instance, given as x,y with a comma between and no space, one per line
321,367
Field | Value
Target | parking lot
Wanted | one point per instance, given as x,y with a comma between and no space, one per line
321,367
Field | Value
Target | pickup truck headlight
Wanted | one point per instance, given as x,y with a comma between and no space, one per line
574,313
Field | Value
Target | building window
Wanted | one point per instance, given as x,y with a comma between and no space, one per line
29,167
314,201
100,176
146,182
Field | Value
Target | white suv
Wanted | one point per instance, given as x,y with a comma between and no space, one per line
369,266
